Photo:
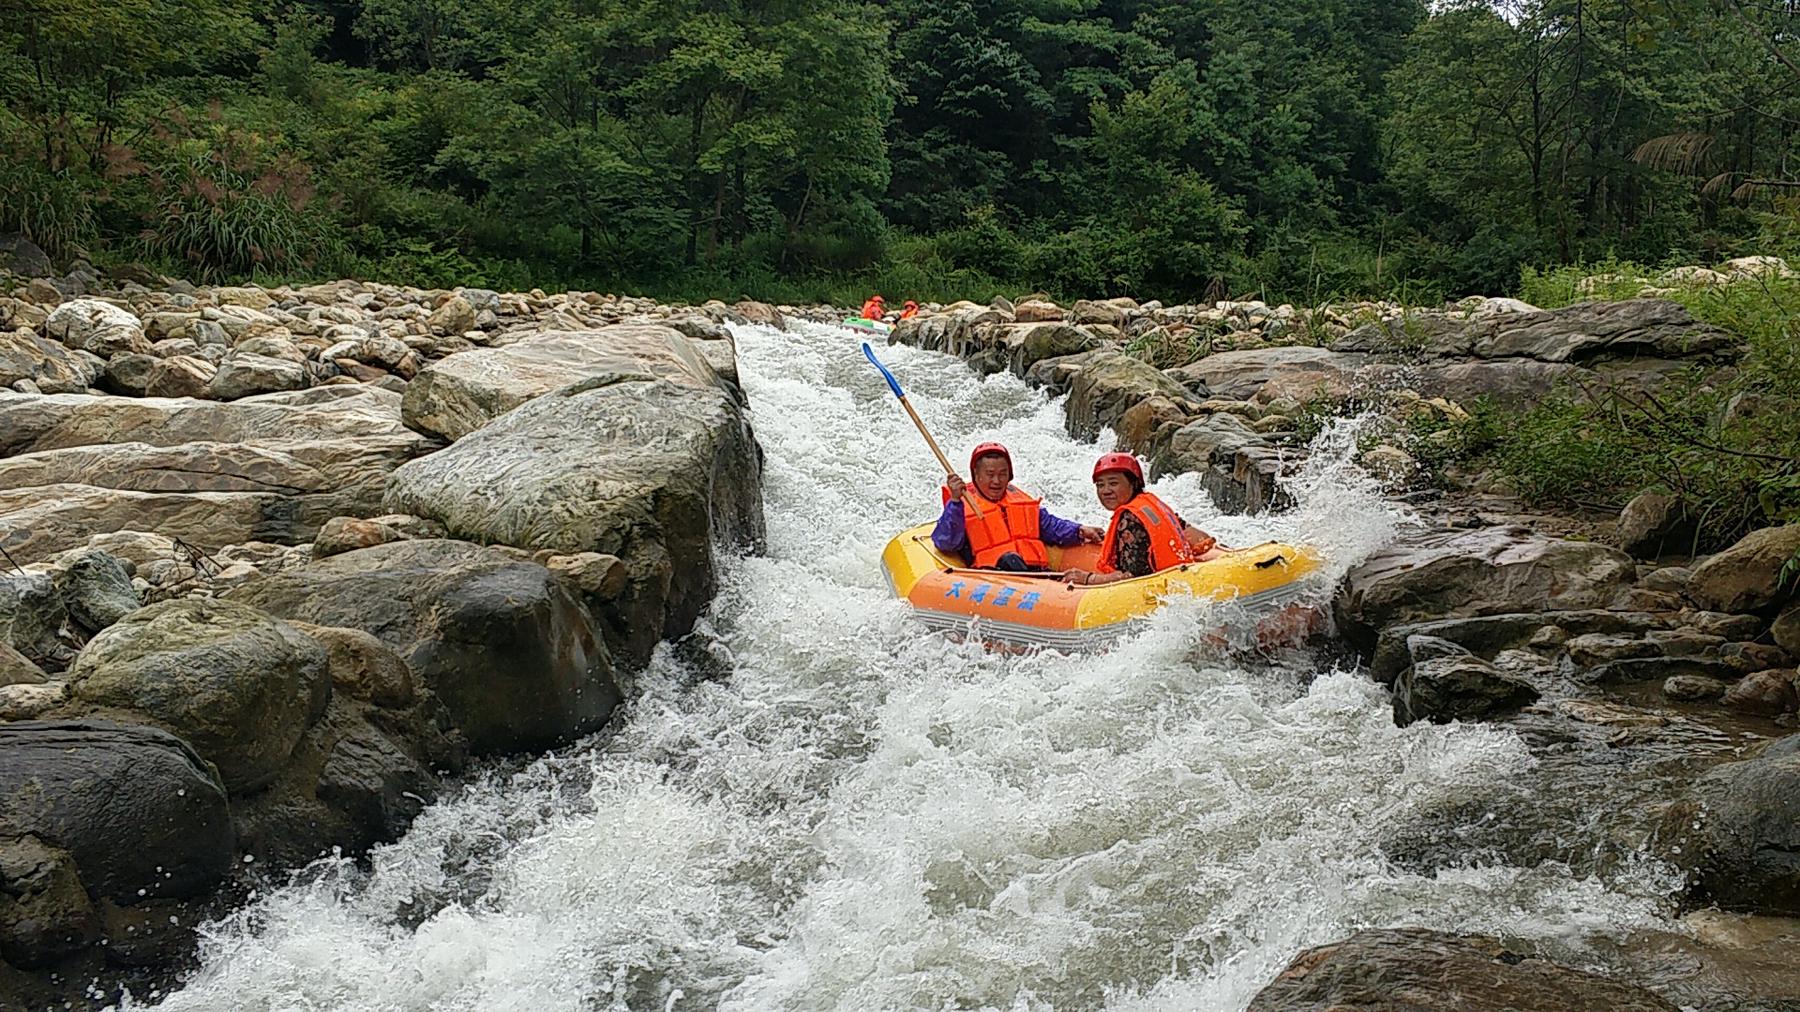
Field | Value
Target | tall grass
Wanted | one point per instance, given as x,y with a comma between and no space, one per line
52,209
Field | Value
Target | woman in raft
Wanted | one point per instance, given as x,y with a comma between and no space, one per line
1145,535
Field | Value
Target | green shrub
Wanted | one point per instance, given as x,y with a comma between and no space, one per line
51,209
232,203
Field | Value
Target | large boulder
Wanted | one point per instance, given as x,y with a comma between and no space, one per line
96,589
18,669
1785,630
761,313
1213,438
32,614
1586,333
54,368
263,469
333,412
350,473
1518,358
1751,832
1108,385
245,374
514,654
653,471
455,316
1238,375
1103,313
1027,344
238,684
1768,693
180,376
1749,576
1631,328
1456,686
21,256
1512,382
99,328
45,913
1487,571
140,812
49,519
1406,969
363,667
454,397
1652,522
358,777
1488,635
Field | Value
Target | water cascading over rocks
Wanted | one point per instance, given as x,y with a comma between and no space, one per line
813,806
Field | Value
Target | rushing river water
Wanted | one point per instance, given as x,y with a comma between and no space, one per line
812,805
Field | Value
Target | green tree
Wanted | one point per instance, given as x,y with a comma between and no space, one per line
87,72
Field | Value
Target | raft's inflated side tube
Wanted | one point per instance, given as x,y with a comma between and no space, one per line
1040,611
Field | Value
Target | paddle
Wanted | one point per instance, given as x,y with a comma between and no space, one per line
900,395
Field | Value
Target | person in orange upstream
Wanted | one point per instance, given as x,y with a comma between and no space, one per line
874,309
1010,530
1145,535
910,310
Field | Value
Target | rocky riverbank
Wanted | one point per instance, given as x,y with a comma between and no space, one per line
279,561
1572,628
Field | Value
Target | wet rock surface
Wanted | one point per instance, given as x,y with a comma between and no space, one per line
184,468
135,807
1412,968
237,684
514,653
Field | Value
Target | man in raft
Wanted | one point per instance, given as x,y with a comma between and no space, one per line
1145,535
1010,529
910,310
874,309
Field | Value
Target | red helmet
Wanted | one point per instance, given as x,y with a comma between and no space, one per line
909,303
1118,462
985,449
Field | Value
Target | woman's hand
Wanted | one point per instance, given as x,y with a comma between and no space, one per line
1092,535
1083,578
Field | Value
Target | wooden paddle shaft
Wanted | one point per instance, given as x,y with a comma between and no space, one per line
969,502
923,431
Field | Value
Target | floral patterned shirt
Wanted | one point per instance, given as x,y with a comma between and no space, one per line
1131,550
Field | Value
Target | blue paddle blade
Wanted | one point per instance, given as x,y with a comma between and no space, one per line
893,384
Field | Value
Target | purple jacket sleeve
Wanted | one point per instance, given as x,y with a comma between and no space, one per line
950,536
1057,531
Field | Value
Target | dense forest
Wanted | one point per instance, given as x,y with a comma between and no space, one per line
803,149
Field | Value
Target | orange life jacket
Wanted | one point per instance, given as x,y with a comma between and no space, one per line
873,310
1010,525
1167,546
909,312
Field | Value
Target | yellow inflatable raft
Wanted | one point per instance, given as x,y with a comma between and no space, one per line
1037,610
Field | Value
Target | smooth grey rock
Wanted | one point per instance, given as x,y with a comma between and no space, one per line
1413,969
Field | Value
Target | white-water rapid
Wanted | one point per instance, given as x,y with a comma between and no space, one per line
813,805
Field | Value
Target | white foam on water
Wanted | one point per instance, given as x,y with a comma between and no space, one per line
861,816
